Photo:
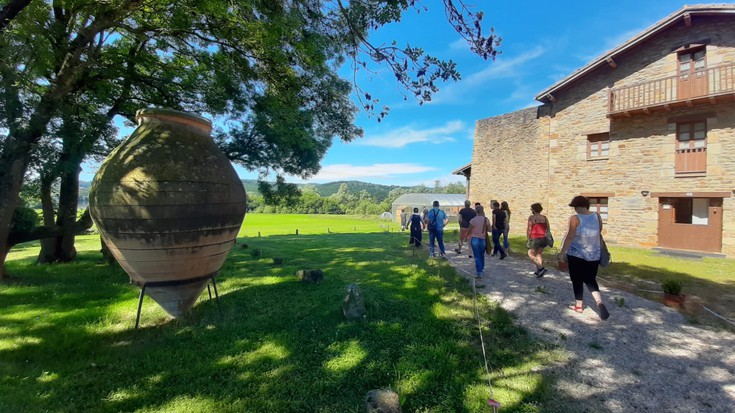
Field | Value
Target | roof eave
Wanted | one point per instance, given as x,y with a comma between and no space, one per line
547,94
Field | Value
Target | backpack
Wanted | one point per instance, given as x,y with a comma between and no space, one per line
432,222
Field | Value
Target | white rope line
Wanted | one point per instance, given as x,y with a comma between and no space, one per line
717,315
482,339
703,306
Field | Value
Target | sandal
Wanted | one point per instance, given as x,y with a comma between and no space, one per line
577,309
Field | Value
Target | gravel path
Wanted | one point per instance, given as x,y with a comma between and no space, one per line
644,358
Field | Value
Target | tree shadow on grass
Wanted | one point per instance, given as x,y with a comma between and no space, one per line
280,346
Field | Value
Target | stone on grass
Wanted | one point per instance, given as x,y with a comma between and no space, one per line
310,276
382,401
353,305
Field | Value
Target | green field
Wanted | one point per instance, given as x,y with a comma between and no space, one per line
67,341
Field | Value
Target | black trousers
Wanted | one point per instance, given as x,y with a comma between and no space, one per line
583,272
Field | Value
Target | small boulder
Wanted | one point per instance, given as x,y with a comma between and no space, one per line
382,401
353,305
310,276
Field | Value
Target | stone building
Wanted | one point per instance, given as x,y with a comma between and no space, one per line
646,131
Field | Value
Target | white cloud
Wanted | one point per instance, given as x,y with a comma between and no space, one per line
459,45
344,172
398,138
611,43
502,68
444,180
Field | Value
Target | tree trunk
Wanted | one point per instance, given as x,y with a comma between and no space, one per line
68,204
81,225
10,11
12,170
48,245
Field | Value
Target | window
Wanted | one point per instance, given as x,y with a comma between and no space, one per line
599,205
691,147
598,145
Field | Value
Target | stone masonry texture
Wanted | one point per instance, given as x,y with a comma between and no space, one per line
540,154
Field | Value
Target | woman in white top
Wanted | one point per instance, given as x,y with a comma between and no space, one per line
581,249
479,227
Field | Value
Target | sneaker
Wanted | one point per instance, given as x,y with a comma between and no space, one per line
478,276
502,257
457,250
604,315
541,272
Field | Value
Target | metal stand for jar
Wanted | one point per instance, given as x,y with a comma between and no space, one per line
174,283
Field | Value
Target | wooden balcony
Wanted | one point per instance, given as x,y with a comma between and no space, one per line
708,86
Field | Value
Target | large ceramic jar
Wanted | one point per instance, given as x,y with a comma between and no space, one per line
169,205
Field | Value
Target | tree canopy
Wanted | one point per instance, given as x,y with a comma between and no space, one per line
265,69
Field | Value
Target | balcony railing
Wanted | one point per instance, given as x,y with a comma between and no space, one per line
680,90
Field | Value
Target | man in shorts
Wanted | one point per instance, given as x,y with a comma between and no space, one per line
465,215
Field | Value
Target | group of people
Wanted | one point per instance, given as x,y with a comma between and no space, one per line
580,249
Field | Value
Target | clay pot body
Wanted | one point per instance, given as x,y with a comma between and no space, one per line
169,205
672,300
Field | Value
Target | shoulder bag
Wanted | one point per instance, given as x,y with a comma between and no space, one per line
488,240
605,257
549,237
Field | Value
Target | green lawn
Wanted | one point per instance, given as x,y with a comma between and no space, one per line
67,341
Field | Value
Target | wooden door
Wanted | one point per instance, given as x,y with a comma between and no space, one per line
692,74
682,224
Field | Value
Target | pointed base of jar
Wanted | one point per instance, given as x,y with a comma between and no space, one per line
177,300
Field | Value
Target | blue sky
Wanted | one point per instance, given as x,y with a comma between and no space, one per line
542,43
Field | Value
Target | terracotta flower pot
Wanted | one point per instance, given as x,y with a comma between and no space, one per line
169,205
672,300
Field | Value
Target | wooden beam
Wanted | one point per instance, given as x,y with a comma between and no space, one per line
691,194
689,103
646,111
688,20
627,114
551,97
712,100
667,107
611,62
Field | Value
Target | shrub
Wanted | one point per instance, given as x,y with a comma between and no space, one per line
24,219
672,287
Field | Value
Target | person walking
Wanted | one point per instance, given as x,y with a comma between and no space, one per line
581,249
435,221
504,206
404,219
536,238
499,222
478,230
416,224
465,216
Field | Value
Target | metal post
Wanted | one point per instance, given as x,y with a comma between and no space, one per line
140,306
216,294
209,291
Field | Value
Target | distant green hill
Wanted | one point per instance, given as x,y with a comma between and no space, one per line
379,192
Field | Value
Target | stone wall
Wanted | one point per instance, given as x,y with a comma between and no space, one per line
510,162
531,156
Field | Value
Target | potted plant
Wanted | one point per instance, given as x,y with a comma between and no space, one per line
672,293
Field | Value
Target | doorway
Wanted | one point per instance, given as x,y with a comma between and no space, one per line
690,223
